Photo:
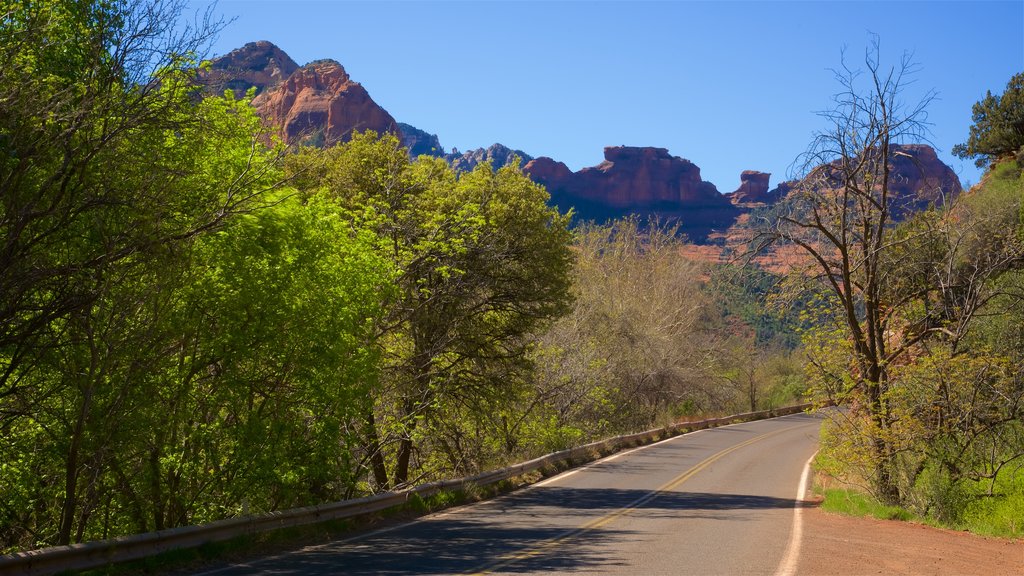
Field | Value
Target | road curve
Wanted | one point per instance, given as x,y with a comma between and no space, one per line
717,501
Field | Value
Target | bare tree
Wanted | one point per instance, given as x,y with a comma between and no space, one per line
841,216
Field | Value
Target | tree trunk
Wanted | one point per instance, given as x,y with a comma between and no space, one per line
67,513
380,470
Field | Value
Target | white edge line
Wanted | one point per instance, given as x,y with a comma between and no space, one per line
787,567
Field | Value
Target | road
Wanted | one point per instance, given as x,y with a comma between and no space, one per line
719,501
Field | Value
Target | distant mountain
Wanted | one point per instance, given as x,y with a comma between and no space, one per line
419,142
637,180
320,104
497,154
313,104
917,180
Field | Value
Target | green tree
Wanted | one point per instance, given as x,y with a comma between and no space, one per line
93,95
998,125
482,262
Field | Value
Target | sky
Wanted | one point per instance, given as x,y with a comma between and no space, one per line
729,85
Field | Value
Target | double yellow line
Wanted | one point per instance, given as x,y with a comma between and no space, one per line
514,557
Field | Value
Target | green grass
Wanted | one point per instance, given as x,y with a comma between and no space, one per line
855,503
1001,515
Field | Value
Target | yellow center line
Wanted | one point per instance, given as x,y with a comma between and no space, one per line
514,557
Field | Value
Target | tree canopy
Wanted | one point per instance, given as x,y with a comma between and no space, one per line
998,125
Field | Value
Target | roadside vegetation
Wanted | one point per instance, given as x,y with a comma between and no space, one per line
917,329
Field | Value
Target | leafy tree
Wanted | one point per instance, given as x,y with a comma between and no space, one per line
482,262
95,97
998,125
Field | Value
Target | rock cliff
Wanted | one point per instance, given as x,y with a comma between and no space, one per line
643,181
257,65
753,189
320,105
420,142
917,179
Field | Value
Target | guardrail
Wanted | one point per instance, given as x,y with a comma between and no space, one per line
134,547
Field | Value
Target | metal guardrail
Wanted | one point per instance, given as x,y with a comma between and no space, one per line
138,546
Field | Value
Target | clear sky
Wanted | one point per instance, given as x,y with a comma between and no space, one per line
729,85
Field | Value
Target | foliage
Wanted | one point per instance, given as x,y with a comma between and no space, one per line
482,261
998,125
955,401
745,295
180,341
853,503
95,115
637,345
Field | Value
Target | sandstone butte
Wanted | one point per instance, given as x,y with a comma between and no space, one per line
317,103
320,104
639,180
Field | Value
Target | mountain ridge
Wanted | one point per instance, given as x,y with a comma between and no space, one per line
319,104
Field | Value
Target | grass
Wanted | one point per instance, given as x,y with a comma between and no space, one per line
852,502
1000,516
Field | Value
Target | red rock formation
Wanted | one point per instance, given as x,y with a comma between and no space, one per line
645,181
259,65
631,177
321,105
547,171
753,188
917,179
920,179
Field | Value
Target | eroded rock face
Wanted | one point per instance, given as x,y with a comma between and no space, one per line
498,155
259,65
644,181
753,188
547,170
320,105
918,179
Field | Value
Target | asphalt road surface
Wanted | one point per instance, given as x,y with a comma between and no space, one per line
720,501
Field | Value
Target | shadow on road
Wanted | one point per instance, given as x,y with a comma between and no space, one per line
612,499
442,547
524,522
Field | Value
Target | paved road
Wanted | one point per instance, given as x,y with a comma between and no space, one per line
717,501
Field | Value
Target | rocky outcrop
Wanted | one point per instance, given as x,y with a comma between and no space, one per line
258,65
420,142
644,181
320,105
753,189
547,171
920,179
498,155
917,180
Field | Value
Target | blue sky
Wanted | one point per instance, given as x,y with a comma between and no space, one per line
729,85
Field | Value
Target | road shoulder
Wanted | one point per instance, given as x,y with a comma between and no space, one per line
844,545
